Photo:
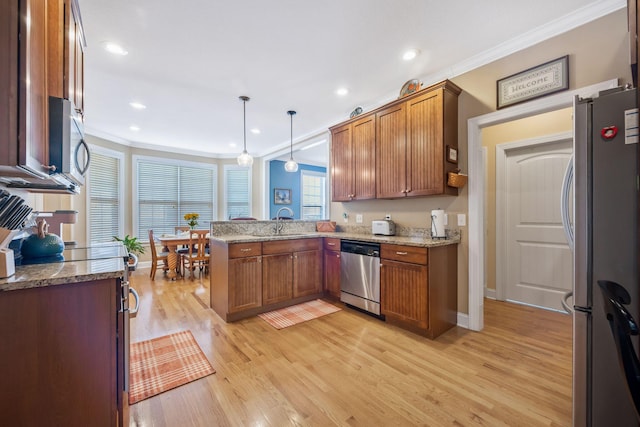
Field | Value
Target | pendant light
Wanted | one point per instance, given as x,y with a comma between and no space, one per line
245,158
291,165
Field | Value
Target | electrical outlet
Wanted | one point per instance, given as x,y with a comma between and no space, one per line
359,218
345,217
462,220
388,216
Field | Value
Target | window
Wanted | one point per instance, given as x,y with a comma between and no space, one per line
166,190
313,195
237,191
104,192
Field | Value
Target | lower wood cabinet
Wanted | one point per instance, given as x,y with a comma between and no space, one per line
246,275
405,293
331,273
419,287
277,278
291,269
251,278
59,357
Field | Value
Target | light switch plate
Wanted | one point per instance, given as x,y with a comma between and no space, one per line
462,219
359,218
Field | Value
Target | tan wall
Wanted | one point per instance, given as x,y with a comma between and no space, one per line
597,51
517,130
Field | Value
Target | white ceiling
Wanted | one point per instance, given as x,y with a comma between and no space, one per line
189,61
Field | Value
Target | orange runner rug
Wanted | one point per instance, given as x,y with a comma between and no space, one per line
163,363
289,316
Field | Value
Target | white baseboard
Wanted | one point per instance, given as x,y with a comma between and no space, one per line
463,320
144,264
489,293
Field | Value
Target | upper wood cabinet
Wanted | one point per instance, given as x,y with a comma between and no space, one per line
74,55
43,56
353,161
411,146
23,89
407,142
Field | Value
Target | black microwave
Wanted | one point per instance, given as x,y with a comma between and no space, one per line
68,151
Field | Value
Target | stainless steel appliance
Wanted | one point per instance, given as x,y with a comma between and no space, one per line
360,275
68,151
605,248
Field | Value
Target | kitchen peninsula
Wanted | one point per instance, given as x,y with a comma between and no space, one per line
254,270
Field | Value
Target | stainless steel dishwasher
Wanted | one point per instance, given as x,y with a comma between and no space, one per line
360,275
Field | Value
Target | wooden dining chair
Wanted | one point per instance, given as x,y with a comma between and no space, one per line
158,259
198,254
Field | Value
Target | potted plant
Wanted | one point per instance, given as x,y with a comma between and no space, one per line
134,248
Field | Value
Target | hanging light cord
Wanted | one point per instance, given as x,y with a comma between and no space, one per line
291,146
244,122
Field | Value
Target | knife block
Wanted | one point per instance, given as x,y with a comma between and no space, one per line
6,236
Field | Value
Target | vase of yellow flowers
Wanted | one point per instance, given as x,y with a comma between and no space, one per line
192,219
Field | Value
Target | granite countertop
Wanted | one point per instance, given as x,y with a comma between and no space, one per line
60,273
398,240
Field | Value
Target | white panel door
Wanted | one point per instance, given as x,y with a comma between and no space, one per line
538,259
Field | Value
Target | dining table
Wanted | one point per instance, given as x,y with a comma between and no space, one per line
171,243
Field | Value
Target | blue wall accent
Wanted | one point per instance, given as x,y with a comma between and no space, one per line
279,178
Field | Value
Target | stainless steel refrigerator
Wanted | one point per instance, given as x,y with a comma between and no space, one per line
606,247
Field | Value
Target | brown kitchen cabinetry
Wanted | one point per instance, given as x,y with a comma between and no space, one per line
23,89
402,147
331,274
74,55
419,287
412,140
59,362
291,269
236,277
353,160
255,277
66,48
44,56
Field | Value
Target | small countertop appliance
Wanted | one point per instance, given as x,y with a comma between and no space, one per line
383,227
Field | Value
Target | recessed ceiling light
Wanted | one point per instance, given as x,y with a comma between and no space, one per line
114,48
256,131
137,105
342,91
232,144
134,128
410,54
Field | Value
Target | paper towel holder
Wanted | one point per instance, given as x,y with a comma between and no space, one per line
437,224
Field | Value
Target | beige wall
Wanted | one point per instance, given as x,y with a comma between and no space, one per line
517,130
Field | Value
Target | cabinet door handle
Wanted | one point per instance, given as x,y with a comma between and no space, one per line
245,250
331,244
337,256
401,253
408,191
51,168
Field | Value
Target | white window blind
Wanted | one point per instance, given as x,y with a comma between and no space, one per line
167,191
313,195
237,185
104,197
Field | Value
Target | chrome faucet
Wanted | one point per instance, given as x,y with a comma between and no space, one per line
279,224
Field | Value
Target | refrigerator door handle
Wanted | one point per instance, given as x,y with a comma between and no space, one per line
567,183
564,302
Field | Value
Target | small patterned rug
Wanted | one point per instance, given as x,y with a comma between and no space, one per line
163,363
289,316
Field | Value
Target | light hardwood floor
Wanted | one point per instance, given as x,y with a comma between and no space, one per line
349,369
